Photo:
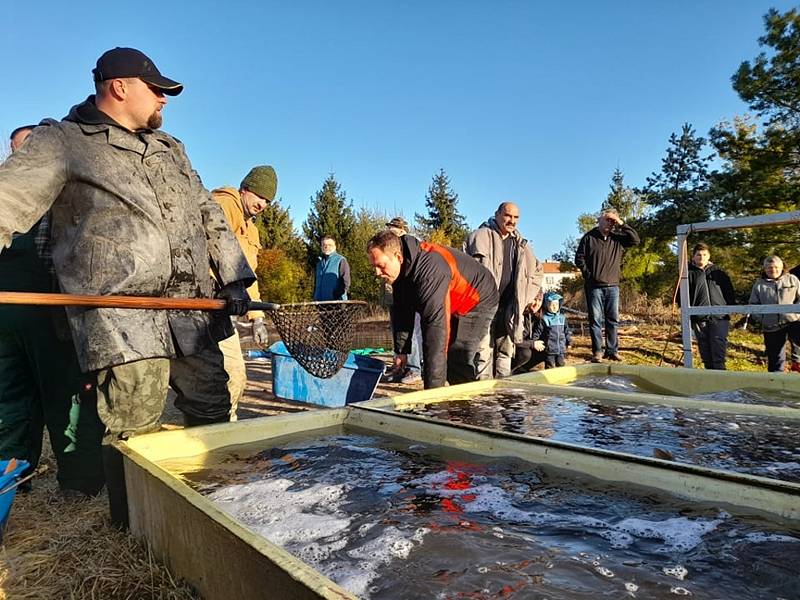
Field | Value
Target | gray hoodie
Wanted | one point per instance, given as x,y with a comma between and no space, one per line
783,290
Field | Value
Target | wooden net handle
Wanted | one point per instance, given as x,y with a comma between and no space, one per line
142,302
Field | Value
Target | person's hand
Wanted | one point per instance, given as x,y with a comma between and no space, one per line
260,335
400,362
538,345
615,219
236,298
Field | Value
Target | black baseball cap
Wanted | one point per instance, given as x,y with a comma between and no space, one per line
129,62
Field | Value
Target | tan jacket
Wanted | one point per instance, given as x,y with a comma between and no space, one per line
486,246
131,217
246,233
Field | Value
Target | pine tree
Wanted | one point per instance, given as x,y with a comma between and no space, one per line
276,230
679,192
331,214
628,204
443,222
282,271
771,84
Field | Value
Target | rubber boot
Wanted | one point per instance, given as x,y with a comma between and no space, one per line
115,485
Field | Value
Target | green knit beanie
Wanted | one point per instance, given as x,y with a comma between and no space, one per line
262,181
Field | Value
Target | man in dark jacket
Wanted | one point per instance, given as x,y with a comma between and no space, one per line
455,296
599,257
710,286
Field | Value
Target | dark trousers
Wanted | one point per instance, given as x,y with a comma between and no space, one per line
526,359
775,345
39,374
554,360
466,334
712,341
603,305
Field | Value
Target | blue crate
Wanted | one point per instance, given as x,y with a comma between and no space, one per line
356,381
7,497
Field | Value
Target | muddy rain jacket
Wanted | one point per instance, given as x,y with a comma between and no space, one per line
486,246
439,283
129,216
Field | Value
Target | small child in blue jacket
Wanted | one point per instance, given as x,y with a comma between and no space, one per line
552,333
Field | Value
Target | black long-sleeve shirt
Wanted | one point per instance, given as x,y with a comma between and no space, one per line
710,286
438,283
599,257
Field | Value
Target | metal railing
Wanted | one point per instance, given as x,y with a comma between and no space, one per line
687,311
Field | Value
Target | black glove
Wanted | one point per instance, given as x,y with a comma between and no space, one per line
235,294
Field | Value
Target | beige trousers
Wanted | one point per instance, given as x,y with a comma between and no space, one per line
237,373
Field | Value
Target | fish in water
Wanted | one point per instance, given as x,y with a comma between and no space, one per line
662,454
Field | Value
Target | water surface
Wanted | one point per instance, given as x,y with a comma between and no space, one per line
388,520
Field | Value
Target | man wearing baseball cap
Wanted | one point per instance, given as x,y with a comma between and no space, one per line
130,216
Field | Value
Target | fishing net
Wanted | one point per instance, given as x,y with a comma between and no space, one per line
318,335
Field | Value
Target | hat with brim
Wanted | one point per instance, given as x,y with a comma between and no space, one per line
120,63
398,222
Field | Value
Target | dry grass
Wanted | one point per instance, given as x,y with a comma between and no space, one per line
59,548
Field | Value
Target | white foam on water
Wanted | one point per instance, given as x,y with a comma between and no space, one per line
680,591
631,587
678,533
760,538
617,539
604,572
315,553
391,544
678,572
354,577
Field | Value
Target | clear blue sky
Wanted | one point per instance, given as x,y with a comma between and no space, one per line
516,100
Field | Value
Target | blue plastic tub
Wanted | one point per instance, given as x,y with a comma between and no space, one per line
7,497
354,383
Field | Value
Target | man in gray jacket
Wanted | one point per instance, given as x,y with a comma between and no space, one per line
498,245
130,216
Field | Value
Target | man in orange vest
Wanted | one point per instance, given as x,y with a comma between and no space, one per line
455,296
241,207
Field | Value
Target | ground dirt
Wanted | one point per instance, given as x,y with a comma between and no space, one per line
57,547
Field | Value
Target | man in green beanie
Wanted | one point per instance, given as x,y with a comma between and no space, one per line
241,208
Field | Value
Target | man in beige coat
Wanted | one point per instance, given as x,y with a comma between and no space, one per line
498,245
241,207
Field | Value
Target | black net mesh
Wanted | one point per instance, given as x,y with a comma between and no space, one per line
318,335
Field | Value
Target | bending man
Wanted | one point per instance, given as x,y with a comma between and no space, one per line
455,296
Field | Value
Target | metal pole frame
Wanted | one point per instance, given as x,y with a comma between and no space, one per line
688,311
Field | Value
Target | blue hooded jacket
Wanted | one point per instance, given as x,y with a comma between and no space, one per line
553,329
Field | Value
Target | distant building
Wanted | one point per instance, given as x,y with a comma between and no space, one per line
553,275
